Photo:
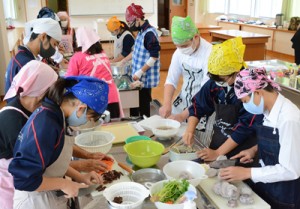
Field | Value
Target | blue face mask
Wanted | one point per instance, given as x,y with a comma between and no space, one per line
73,120
254,109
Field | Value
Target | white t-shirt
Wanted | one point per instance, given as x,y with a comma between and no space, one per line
193,68
285,116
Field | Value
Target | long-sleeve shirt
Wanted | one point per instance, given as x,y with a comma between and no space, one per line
39,144
285,116
11,123
210,94
16,63
151,43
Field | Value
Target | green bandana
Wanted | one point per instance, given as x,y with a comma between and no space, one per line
183,29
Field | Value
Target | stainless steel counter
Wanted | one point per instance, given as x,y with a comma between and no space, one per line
118,153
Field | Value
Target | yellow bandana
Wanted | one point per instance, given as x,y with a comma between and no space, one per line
113,24
227,58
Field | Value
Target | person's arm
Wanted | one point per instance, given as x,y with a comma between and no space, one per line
174,73
188,136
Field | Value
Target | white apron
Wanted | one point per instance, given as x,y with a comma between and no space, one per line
118,43
48,199
6,179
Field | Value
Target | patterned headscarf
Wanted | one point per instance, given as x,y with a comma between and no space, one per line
249,80
46,12
227,58
90,91
33,80
113,24
134,11
183,29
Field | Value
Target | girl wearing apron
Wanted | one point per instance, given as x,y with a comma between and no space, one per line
277,180
27,89
123,39
232,130
42,153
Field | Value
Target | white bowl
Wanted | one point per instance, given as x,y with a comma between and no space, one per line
95,141
133,195
156,187
177,169
165,128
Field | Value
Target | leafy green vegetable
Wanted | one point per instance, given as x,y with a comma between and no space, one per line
172,190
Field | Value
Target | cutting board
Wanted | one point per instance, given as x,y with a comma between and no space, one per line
121,131
124,178
221,202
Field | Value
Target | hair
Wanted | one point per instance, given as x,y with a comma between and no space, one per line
56,93
35,35
217,77
124,26
96,48
269,88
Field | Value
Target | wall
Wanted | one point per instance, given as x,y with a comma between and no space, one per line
4,52
100,26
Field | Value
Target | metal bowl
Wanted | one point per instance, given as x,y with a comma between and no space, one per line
120,69
148,175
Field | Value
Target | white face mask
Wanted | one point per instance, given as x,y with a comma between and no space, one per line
64,24
187,50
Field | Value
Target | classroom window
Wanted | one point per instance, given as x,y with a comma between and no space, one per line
252,8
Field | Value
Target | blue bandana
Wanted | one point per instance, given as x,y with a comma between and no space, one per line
91,91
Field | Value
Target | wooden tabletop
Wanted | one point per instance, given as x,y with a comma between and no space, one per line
236,33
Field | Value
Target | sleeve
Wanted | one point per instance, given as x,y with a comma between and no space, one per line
202,102
245,126
128,43
175,70
34,150
289,158
151,43
73,69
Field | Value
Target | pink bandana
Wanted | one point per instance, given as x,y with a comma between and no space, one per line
134,11
86,37
249,80
33,80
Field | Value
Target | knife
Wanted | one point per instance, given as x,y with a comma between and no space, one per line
223,163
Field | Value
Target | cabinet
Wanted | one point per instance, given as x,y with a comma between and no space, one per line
265,31
167,48
282,42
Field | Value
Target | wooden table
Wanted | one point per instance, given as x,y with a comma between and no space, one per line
255,43
204,30
167,48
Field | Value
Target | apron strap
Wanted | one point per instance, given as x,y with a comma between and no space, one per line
14,108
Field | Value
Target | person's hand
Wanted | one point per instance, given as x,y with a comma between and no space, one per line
89,165
71,188
165,110
92,178
235,173
208,154
64,64
138,74
246,156
99,156
177,117
188,138
61,48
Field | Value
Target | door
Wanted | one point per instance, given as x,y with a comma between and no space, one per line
177,8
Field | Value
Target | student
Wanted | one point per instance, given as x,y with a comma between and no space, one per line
92,61
123,39
42,37
277,179
42,157
145,57
233,127
27,90
189,61
68,38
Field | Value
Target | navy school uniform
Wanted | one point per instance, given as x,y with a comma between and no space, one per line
232,120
